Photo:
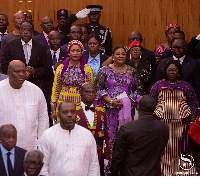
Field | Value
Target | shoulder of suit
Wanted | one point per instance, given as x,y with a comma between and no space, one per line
20,149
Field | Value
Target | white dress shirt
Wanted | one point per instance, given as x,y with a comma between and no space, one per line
89,114
69,153
57,56
28,49
180,59
26,109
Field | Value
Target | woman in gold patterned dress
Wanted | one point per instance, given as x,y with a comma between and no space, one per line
177,106
69,77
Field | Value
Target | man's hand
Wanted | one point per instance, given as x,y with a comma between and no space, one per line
83,13
30,70
57,64
198,37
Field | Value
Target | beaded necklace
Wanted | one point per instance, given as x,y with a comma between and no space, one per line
92,128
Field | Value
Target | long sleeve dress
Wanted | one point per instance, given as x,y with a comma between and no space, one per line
175,103
111,83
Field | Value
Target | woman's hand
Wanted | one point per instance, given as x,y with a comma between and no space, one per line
117,103
53,116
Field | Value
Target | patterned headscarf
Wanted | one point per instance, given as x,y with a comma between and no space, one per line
175,26
75,42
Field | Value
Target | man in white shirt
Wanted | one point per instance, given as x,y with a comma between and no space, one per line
23,105
68,148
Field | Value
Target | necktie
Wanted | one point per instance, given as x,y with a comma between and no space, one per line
54,58
26,53
89,108
10,168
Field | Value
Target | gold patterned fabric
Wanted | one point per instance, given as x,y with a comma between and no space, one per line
172,105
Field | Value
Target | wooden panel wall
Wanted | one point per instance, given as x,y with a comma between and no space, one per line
150,17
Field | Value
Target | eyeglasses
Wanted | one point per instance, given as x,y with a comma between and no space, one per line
25,29
172,70
178,48
135,49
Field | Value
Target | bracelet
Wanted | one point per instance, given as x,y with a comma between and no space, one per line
53,112
111,102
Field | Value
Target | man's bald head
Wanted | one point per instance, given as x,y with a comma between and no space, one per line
47,24
88,93
16,73
54,40
8,136
18,18
135,36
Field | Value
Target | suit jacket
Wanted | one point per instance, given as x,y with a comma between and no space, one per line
48,78
138,148
101,121
193,48
191,72
42,40
14,50
102,58
18,166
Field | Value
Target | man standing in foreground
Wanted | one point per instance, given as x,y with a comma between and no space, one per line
68,148
139,144
23,105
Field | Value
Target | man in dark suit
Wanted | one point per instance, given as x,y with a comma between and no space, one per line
190,66
47,26
139,144
11,156
29,51
93,118
33,162
55,56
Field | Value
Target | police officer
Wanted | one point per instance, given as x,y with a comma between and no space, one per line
62,16
103,32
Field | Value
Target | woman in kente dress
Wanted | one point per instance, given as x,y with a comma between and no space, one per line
143,68
69,77
177,106
112,81
169,32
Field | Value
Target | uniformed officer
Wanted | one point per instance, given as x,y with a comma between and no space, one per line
62,16
95,27
144,69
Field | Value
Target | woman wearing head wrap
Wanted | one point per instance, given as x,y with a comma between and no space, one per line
69,77
142,67
169,32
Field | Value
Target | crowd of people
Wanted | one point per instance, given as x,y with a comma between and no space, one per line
71,104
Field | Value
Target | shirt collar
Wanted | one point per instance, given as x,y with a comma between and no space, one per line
97,57
83,105
57,51
6,32
45,34
4,151
180,59
29,43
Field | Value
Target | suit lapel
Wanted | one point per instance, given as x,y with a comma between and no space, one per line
62,55
185,64
21,51
2,166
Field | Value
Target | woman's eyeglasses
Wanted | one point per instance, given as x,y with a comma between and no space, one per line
135,49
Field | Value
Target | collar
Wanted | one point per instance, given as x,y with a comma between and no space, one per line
57,51
94,26
4,151
97,57
29,43
6,32
83,105
45,34
180,59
